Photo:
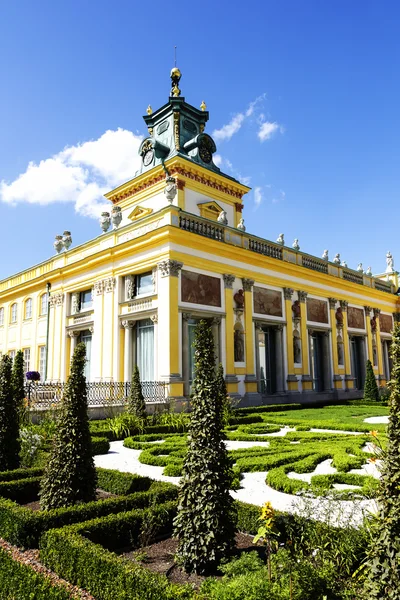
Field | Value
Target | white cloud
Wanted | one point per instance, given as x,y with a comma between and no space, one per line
217,158
258,196
279,197
267,129
228,130
79,174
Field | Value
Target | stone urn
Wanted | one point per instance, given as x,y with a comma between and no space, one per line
67,239
105,221
58,243
116,216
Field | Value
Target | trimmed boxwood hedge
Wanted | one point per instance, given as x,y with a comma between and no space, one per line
121,483
100,445
21,582
21,490
20,474
75,554
23,527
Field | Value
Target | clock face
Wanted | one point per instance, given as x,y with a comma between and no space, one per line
148,157
205,153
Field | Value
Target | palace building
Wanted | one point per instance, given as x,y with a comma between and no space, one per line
287,326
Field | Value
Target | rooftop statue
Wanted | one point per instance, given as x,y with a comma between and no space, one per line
389,262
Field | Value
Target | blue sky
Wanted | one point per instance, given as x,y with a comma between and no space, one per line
305,97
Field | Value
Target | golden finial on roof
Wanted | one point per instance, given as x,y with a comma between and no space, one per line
203,106
175,78
149,110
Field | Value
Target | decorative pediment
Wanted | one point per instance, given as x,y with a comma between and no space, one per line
139,212
210,209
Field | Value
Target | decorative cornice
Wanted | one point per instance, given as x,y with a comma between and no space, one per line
170,267
208,182
288,293
332,302
302,295
228,280
239,207
56,299
247,284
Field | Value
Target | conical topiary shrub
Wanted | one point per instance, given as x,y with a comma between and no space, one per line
18,382
136,403
205,523
383,582
9,420
371,391
70,476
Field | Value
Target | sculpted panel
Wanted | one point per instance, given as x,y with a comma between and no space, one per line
267,302
317,310
355,317
200,289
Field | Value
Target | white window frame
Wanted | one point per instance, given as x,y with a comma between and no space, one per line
43,304
28,308
27,359
42,361
2,316
14,313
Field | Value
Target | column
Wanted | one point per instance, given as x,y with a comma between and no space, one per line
250,378
128,347
292,382
337,379
280,386
98,345
169,326
230,377
349,379
306,378
382,376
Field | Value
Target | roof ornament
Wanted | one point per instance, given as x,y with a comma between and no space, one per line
389,262
149,110
281,239
175,78
203,106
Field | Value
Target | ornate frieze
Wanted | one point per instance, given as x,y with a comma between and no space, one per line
288,293
228,281
247,284
170,268
104,285
56,299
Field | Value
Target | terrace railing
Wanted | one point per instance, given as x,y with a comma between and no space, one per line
109,393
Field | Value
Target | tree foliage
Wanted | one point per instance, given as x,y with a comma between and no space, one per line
70,476
9,422
205,523
18,381
136,403
383,581
371,391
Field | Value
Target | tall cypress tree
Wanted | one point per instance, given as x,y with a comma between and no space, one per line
383,581
205,523
371,391
70,475
18,381
9,422
136,403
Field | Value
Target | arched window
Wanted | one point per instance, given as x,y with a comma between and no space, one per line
43,304
28,308
14,312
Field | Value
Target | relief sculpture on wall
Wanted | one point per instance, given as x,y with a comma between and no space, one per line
385,323
267,302
355,317
317,310
200,289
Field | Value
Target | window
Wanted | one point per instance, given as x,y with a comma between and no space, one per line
14,313
1,316
27,359
145,349
28,309
86,338
85,300
42,361
11,354
144,284
43,304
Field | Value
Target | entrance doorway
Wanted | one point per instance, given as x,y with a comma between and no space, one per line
357,357
266,349
317,361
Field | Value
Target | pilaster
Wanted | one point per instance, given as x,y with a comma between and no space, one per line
382,377
367,310
332,311
169,326
292,382
231,380
250,379
306,379
349,379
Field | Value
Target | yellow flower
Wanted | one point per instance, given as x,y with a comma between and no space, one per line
372,459
373,433
267,511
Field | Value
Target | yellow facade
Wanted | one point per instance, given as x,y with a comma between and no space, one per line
133,294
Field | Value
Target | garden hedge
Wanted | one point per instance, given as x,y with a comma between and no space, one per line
100,445
23,527
20,582
81,554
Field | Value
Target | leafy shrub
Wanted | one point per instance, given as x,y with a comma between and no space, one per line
9,419
31,443
371,391
246,563
136,403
